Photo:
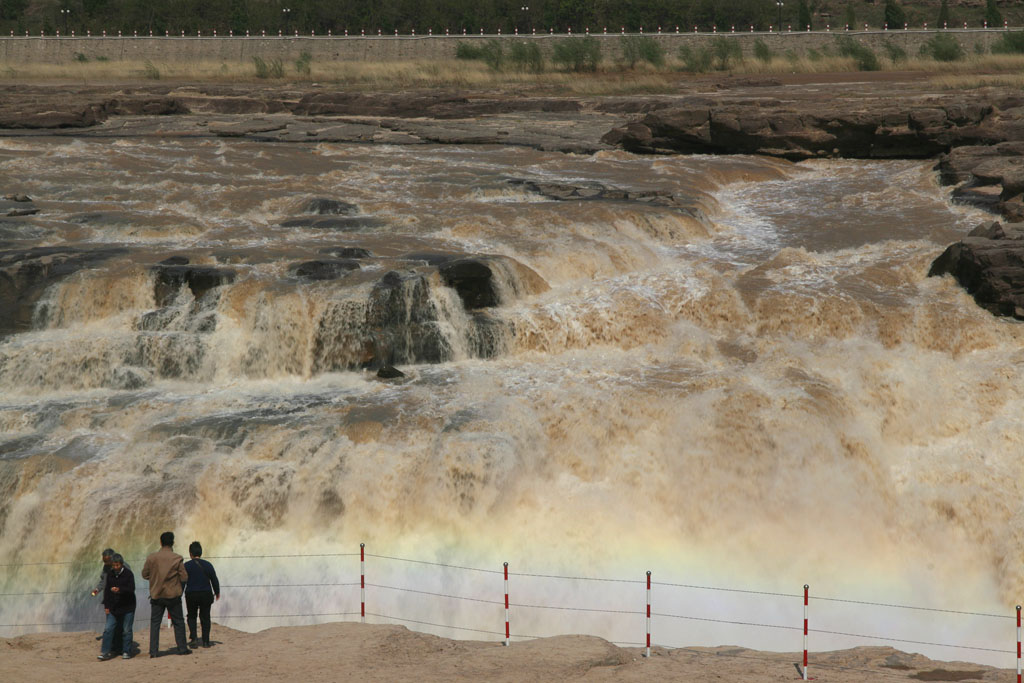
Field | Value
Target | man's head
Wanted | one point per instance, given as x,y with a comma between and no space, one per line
116,562
194,549
167,539
107,555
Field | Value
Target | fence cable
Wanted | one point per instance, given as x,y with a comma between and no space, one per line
726,621
435,564
727,590
914,607
440,595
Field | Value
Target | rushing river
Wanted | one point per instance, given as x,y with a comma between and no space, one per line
759,390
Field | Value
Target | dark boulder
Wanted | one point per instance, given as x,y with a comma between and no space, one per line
989,264
389,372
340,223
169,280
176,260
329,207
323,269
473,280
347,252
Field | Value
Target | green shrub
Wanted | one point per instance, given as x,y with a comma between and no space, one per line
525,56
979,49
272,69
697,61
577,54
641,49
895,17
490,52
1009,43
865,59
102,58
992,14
470,51
762,52
79,57
894,52
726,51
813,55
302,63
150,71
943,47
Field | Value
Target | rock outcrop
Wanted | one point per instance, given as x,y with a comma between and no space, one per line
989,264
834,128
26,273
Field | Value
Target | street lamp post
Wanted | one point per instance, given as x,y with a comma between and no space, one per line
286,12
780,4
64,13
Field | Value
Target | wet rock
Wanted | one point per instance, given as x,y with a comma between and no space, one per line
168,281
989,264
18,198
473,280
22,212
324,269
389,372
70,117
990,231
145,106
598,192
13,207
854,130
340,223
176,260
329,207
347,252
26,273
238,129
128,378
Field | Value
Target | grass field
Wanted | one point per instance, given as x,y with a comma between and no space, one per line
608,79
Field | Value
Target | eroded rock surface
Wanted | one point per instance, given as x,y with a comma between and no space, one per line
989,264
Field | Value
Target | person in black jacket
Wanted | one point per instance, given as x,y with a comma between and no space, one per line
200,592
119,604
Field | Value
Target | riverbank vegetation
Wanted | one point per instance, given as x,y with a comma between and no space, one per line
641,66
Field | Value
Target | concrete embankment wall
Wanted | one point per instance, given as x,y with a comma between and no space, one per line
57,50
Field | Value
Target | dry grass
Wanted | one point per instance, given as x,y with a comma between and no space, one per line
974,71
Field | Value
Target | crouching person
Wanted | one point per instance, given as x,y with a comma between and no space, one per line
119,604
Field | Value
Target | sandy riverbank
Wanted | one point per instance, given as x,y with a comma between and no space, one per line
369,652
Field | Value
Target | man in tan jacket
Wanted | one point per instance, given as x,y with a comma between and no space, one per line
165,571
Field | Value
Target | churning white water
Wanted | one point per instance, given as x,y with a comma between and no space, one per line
752,387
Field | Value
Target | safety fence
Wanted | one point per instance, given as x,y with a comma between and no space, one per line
567,31
657,608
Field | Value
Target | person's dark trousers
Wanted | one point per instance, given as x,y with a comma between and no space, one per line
173,607
199,602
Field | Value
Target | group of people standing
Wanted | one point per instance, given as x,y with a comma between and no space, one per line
169,576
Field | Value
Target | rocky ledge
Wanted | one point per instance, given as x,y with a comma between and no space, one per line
989,264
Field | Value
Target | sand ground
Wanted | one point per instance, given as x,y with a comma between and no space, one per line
372,652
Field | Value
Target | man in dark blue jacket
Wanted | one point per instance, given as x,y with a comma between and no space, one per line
200,592
119,604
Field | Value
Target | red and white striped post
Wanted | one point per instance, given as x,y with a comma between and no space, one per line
508,637
362,582
806,588
1018,644
648,614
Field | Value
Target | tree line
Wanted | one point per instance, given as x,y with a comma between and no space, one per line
336,16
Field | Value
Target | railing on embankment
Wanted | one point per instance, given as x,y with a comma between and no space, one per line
380,45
